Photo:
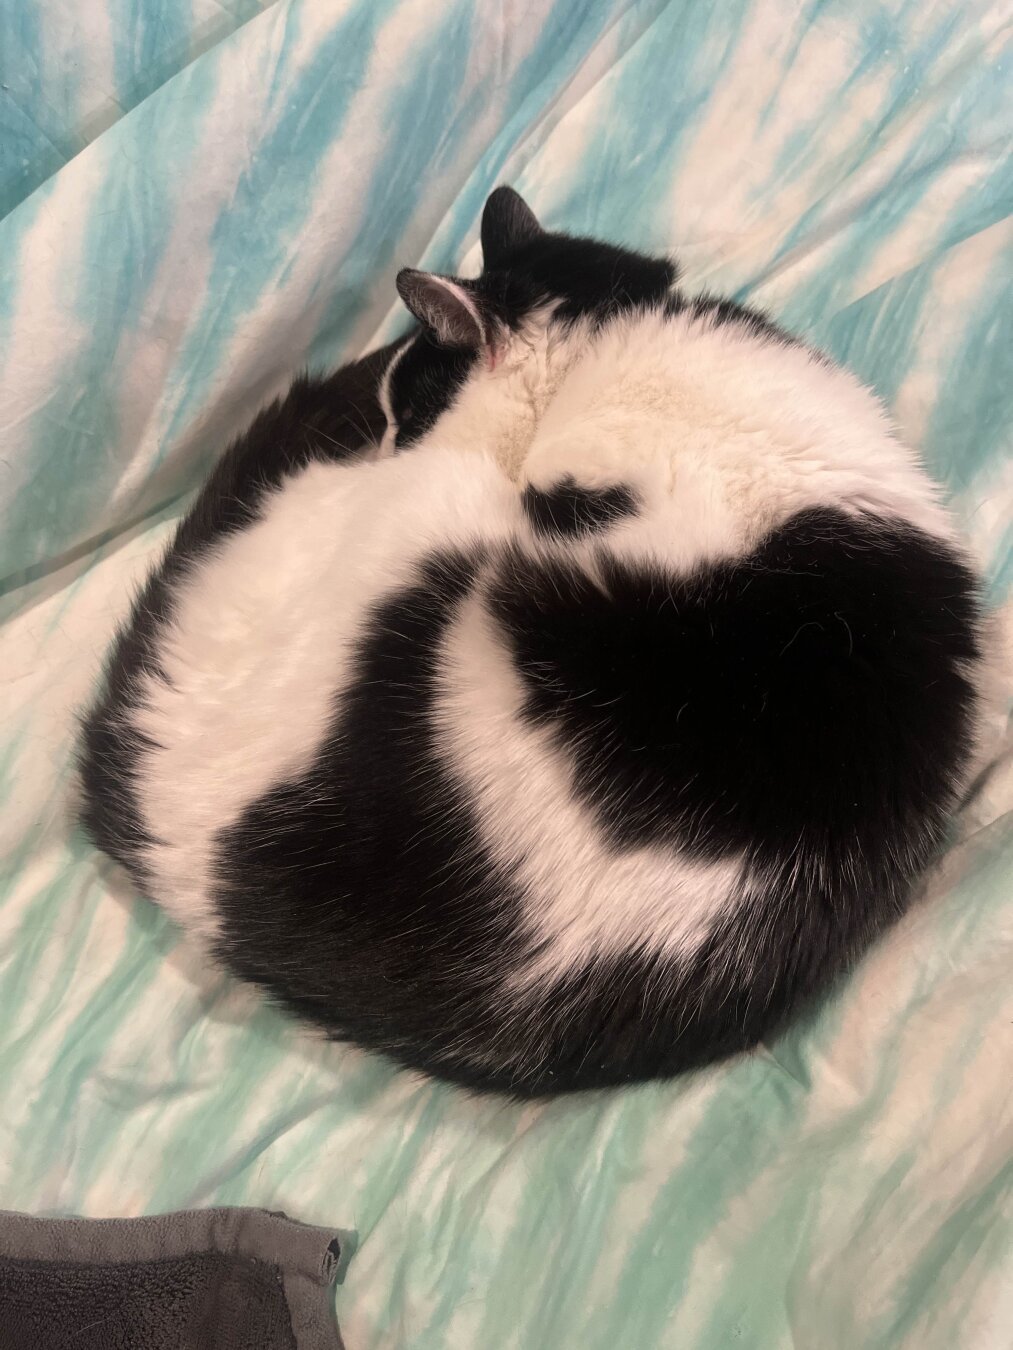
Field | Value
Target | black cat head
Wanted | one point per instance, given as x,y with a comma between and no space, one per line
528,273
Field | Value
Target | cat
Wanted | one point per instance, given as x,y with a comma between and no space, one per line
560,698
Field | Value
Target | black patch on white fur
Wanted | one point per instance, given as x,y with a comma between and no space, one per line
756,322
319,419
569,511
363,898
582,277
424,383
526,267
362,895
811,699
806,707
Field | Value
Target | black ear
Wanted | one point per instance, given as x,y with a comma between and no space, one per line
444,305
507,222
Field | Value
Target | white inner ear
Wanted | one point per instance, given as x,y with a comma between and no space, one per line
452,313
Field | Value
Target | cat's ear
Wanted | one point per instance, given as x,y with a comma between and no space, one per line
507,222
444,305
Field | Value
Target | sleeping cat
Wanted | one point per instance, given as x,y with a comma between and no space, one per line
560,698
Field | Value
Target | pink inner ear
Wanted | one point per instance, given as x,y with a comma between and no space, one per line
492,355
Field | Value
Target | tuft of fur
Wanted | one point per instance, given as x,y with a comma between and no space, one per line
562,698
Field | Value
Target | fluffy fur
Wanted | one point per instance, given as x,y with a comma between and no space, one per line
582,695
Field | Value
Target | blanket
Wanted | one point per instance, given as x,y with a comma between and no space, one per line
202,196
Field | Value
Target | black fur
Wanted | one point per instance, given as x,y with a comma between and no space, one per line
567,510
582,278
755,321
507,222
319,419
585,278
524,267
833,661
806,709
385,936
423,384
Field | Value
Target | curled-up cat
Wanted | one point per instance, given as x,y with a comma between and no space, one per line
576,719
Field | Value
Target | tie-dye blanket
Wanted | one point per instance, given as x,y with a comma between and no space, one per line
201,195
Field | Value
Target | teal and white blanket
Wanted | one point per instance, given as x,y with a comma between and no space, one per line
200,196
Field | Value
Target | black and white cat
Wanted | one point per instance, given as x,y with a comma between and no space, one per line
587,741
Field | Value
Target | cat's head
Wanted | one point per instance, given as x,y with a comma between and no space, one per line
490,351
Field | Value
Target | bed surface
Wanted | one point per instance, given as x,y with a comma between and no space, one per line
198,198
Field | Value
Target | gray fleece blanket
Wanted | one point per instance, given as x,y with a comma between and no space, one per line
217,1279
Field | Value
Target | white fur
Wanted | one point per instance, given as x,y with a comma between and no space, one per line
725,432
498,409
383,397
580,896
263,631
722,434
